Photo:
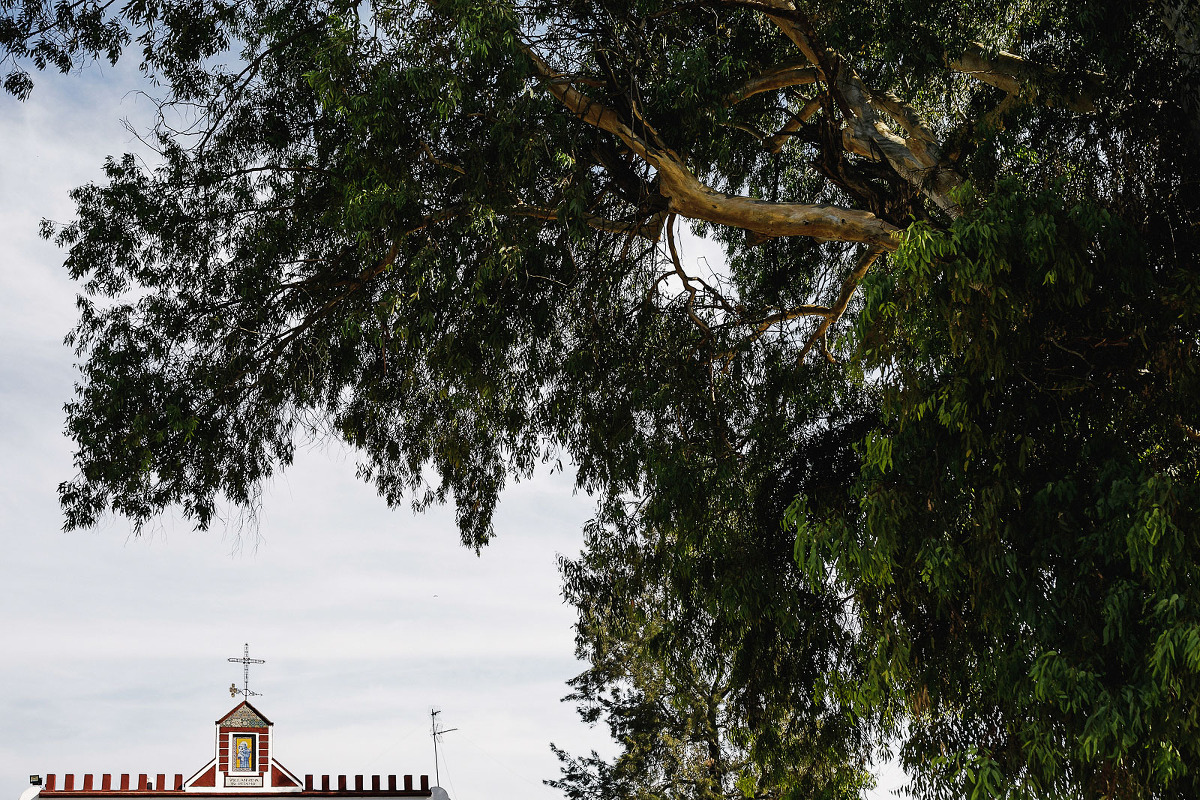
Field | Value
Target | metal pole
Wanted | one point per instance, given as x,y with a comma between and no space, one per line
437,777
433,728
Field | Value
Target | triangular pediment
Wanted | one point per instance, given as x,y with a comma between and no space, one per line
244,715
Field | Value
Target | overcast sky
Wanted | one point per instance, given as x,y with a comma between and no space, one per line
114,647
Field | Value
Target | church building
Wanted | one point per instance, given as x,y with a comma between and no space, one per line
243,766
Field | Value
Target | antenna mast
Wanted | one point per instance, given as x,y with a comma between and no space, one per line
436,732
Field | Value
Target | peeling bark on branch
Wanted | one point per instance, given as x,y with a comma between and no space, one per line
777,78
917,158
1021,77
775,142
689,197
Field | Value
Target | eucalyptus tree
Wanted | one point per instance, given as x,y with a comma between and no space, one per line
706,648
957,324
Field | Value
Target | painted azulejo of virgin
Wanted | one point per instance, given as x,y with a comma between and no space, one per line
243,754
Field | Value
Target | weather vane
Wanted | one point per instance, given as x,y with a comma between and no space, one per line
245,661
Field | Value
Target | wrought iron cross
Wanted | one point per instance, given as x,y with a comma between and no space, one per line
245,661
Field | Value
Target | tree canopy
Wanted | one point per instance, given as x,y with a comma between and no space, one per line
918,464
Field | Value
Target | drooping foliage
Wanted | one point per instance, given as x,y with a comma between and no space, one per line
704,642
1035,436
951,349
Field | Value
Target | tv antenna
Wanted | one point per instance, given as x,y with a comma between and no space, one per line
436,733
245,661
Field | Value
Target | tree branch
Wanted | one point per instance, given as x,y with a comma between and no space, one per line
1024,78
835,313
650,229
691,198
778,77
775,142
917,159
686,279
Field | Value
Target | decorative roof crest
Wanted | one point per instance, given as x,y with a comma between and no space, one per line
244,716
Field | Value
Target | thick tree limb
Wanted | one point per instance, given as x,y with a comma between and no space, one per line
1001,69
693,199
775,142
1024,78
910,121
689,197
776,78
917,158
